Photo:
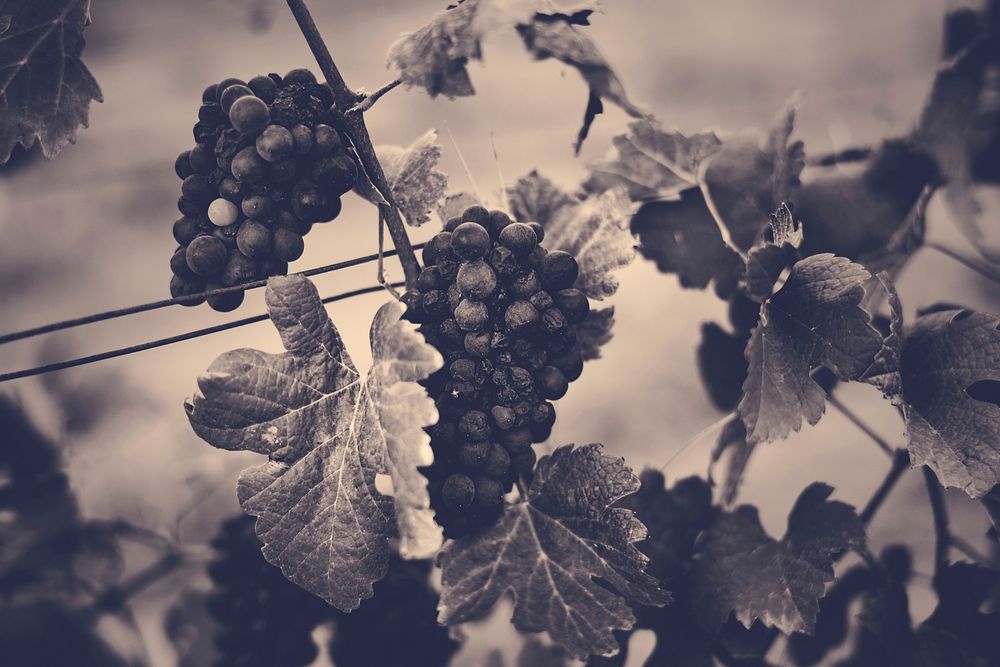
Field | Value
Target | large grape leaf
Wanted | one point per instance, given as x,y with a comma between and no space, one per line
813,320
45,89
550,548
739,568
944,371
435,57
652,163
329,432
416,183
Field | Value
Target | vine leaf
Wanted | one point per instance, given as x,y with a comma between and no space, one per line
329,432
435,57
45,89
535,198
550,548
652,163
416,183
556,36
454,205
722,365
943,372
595,332
733,438
739,568
769,257
947,122
747,179
813,320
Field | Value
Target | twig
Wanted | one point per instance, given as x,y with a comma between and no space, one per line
163,303
961,258
942,533
854,154
346,98
116,597
370,99
900,464
120,352
862,426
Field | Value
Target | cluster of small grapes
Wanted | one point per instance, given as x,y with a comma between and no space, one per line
503,312
267,165
264,619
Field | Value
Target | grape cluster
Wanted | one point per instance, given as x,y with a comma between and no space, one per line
503,312
267,165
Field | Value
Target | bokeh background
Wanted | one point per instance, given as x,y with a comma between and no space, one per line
90,231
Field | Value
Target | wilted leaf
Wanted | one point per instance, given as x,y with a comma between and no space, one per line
739,568
550,548
747,179
945,374
595,331
772,254
552,36
535,198
416,183
813,320
45,89
596,232
651,163
328,433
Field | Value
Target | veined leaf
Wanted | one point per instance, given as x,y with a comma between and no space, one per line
416,183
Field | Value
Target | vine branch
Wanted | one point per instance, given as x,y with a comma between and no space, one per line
370,99
942,531
346,98
966,261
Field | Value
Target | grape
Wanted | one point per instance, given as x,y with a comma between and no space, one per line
185,229
275,143
299,76
470,240
525,286
264,87
552,382
201,158
489,492
519,238
498,222
224,302
225,83
559,270
574,304
210,94
337,174
206,256
248,166
249,115
239,269
471,315
539,231
223,212
189,207
473,455
303,138
520,315
476,280
231,94
288,246
197,188
282,172
230,189
307,201
458,491
498,461
258,207
182,165
184,287
326,139
254,239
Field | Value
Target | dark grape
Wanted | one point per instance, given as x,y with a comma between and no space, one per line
559,270
327,140
239,269
574,304
225,83
210,94
254,239
303,138
489,491
519,238
183,287
231,94
470,240
476,280
275,143
337,174
182,165
498,461
307,201
249,115
230,189
197,188
225,302
539,231
258,207
263,87
185,229
288,246
458,491
299,76
189,207
206,256
248,166
178,264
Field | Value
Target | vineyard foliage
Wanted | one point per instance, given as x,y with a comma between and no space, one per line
589,552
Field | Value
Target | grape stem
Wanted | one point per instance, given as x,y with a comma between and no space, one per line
369,100
346,98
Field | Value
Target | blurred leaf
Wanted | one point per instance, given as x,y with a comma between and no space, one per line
739,568
45,89
595,332
813,320
747,179
416,183
733,438
945,374
554,36
535,198
905,241
536,654
328,432
958,633
652,163
453,205
550,548
721,364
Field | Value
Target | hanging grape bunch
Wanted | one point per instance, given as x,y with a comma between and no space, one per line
266,166
503,312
